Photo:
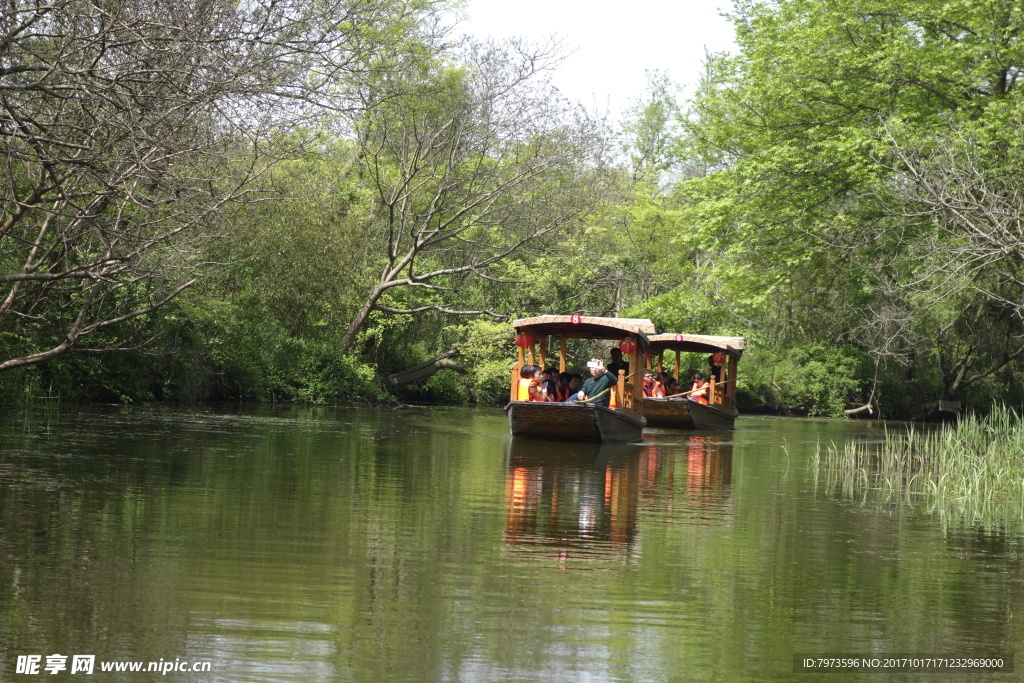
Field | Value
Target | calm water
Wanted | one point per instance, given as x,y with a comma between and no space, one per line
427,545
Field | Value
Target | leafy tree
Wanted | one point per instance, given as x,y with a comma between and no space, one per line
843,138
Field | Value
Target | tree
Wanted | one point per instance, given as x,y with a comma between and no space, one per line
471,157
126,129
834,131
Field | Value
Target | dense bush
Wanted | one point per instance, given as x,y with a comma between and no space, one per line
805,380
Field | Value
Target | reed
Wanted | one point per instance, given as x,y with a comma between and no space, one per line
970,474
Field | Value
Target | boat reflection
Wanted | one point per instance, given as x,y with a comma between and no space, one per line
709,477
577,505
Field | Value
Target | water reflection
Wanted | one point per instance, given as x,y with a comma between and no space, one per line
364,545
709,477
577,505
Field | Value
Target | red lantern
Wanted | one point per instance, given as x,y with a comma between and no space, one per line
524,341
718,358
627,346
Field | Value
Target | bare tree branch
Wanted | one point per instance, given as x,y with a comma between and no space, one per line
128,127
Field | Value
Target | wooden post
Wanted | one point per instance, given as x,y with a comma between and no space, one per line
676,373
731,391
561,353
543,352
516,368
620,389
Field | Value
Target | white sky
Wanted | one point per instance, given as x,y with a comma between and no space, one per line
615,41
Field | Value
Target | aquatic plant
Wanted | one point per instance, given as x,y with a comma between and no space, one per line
971,474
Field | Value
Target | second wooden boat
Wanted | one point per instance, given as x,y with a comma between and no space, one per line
683,412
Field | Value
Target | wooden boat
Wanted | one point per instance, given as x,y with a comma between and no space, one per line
578,421
682,412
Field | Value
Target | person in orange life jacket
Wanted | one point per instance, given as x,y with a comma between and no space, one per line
652,387
529,388
700,388
561,392
548,381
575,384
669,383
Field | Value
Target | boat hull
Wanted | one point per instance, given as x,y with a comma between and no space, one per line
686,414
572,422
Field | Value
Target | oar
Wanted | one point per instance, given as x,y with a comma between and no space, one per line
595,397
592,398
687,393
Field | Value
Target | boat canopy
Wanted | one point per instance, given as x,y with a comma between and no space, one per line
701,343
587,327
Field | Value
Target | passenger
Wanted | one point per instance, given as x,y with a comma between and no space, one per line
525,379
561,392
598,387
649,382
653,386
529,384
575,384
617,363
538,391
669,382
547,382
699,390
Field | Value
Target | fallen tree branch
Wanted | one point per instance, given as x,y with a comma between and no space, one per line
424,370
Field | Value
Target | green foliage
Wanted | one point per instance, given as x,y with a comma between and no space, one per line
810,380
256,359
445,386
487,350
302,259
327,375
687,309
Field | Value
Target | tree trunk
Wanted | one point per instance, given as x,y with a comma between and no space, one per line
424,370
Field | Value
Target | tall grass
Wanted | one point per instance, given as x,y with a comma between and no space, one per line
971,474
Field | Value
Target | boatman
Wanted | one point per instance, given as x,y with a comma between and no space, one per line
598,385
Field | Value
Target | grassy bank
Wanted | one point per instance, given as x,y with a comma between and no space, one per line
971,474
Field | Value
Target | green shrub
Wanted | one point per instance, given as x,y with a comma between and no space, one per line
326,375
811,379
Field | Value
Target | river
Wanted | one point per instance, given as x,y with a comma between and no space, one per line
425,544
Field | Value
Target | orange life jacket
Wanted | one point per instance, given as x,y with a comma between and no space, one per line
523,390
700,394
539,385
